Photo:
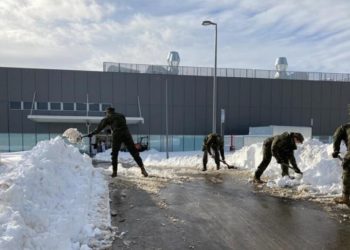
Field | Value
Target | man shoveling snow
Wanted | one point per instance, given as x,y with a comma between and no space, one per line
121,134
342,133
281,147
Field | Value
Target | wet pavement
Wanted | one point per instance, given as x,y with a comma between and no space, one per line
219,212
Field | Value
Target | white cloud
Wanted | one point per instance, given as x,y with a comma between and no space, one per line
81,34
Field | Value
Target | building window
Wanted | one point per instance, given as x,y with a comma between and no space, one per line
28,105
16,142
81,106
68,106
41,105
94,107
15,105
55,106
104,106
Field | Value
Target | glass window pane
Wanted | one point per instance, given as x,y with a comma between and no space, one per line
54,135
68,106
15,105
27,105
29,141
198,142
104,106
55,106
188,143
42,137
177,143
41,105
154,142
4,142
16,142
163,143
81,106
94,107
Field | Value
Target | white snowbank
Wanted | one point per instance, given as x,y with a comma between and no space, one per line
51,198
322,173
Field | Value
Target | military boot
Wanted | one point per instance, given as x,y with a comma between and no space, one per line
344,199
204,168
285,169
115,170
217,167
257,180
143,171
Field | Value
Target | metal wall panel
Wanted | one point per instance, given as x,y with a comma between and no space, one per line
256,96
306,94
3,117
3,85
80,87
67,86
42,85
28,85
247,102
93,86
119,92
14,121
106,88
14,80
131,88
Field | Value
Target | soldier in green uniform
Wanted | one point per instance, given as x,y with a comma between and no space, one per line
120,134
212,144
282,148
342,133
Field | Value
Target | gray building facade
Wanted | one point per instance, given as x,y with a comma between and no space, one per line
247,102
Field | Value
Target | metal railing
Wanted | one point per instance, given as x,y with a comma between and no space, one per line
224,72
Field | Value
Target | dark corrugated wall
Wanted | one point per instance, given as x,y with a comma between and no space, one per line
247,101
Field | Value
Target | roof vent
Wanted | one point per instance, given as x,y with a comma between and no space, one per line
173,59
281,68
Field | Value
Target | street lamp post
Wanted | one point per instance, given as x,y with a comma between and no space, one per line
173,62
206,23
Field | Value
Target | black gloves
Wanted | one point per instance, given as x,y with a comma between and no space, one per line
335,154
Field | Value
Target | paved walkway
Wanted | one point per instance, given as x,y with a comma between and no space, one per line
218,212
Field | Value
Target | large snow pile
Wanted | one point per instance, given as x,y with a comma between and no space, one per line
322,173
52,198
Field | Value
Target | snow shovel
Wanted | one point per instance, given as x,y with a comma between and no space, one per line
292,177
228,166
73,135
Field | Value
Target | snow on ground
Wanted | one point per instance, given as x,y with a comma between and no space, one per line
52,198
322,173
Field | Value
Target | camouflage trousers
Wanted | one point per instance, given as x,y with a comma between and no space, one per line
346,174
216,157
125,138
267,156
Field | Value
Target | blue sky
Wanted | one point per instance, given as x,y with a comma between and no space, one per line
314,35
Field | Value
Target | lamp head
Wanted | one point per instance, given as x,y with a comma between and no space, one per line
207,22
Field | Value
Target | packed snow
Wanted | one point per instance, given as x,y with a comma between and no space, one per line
51,197
321,173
